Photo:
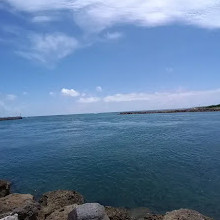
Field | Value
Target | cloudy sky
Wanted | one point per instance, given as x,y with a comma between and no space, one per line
81,56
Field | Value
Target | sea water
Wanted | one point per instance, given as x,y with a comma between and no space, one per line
159,161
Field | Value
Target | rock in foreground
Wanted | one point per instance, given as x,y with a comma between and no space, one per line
68,205
11,217
61,214
21,204
4,188
55,200
117,213
88,211
185,214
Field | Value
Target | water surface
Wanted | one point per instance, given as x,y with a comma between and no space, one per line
159,161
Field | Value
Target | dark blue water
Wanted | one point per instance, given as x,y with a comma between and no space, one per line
159,161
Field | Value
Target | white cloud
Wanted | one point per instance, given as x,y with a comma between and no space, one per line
49,47
97,15
178,98
2,106
89,100
52,93
127,97
40,5
70,92
99,89
167,97
42,19
9,105
4,109
113,35
143,101
157,100
116,102
11,97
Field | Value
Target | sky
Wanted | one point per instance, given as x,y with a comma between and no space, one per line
91,56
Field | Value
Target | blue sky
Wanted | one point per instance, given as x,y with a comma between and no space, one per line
81,56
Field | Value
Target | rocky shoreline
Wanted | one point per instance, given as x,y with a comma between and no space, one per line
213,108
70,205
10,118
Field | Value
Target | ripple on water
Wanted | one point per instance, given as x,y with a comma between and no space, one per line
160,161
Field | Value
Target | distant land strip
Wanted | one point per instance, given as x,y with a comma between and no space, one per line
10,118
211,108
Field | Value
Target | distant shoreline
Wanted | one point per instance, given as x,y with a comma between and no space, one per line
10,118
212,108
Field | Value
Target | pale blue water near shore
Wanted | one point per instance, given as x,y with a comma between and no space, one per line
159,161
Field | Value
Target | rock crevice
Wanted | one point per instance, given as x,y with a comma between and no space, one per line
70,205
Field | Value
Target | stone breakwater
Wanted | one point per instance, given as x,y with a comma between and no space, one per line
10,118
198,109
70,205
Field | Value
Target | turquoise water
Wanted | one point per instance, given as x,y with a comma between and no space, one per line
159,161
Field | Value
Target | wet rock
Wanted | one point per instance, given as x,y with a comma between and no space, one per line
117,213
88,211
185,214
153,217
4,188
11,217
21,204
55,200
61,214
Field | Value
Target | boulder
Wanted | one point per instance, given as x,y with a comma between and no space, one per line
11,217
4,188
117,213
55,200
88,211
61,214
185,214
21,204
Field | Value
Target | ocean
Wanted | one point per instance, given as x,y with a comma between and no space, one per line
159,161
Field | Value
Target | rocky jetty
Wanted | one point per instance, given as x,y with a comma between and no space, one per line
70,205
211,108
10,118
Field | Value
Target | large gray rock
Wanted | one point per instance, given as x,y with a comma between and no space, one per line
117,213
88,211
21,204
4,188
52,201
61,214
11,217
185,214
